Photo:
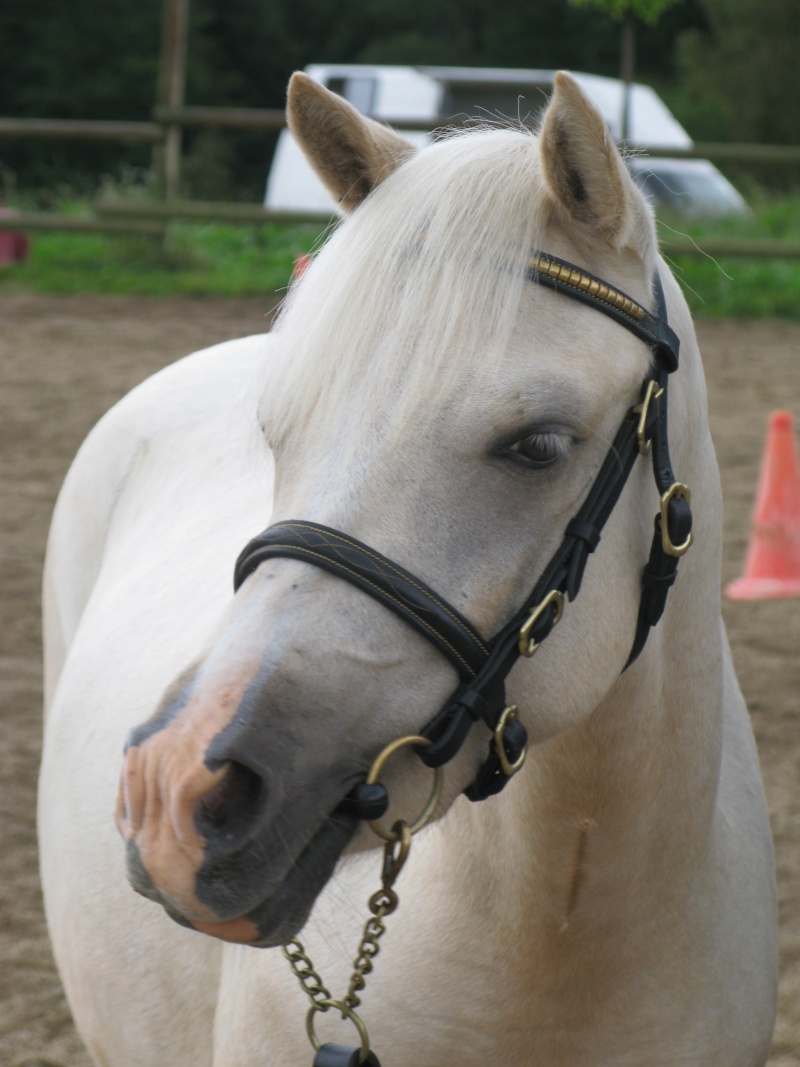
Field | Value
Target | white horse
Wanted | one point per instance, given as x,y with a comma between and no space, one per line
615,905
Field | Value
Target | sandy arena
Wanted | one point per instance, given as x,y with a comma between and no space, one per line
66,360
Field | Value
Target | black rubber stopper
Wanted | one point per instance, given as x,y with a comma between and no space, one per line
365,801
329,1055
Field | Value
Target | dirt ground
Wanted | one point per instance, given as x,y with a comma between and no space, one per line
64,361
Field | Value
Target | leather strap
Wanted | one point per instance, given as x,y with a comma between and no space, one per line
398,590
563,574
573,281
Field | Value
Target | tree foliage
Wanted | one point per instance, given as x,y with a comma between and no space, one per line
649,11
739,78
726,61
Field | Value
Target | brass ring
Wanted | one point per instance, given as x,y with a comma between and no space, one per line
509,769
677,491
642,410
433,799
347,1013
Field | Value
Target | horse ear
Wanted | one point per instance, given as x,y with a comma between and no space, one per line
583,168
351,154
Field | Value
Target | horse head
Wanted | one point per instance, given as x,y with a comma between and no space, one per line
424,397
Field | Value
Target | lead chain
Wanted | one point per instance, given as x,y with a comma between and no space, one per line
313,986
367,951
381,904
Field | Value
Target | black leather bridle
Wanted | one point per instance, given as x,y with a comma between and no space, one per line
483,665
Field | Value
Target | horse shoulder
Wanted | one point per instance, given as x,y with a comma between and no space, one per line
121,959
180,395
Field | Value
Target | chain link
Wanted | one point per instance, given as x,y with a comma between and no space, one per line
374,928
313,986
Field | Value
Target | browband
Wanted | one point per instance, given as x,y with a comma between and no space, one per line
654,330
483,665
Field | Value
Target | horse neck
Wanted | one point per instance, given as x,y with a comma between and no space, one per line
603,831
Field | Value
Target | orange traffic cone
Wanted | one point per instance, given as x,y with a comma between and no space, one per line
772,567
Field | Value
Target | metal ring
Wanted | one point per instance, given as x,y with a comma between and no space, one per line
677,491
433,799
527,646
642,410
509,769
347,1013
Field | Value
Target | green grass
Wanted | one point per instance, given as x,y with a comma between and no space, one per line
208,259
734,285
203,259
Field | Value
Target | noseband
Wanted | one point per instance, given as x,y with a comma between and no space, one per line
483,665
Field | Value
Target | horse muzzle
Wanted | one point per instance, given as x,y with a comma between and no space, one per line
206,845
228,821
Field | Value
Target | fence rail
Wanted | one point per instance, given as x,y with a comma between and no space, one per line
81,130
273,119
230,118
48,220
205,211
152,219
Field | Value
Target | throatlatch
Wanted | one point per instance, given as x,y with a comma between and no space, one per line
483,665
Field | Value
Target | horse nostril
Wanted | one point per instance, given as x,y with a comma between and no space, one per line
230,808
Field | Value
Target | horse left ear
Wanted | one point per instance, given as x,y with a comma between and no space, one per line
351,154
584,170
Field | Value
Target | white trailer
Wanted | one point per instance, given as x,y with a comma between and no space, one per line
395,94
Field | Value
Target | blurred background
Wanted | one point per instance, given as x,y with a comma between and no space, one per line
135,119
726,68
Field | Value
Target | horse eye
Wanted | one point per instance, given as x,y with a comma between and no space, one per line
537,450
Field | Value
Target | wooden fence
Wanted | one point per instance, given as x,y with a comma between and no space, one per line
151,218
171,117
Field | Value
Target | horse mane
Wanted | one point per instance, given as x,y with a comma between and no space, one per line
423,279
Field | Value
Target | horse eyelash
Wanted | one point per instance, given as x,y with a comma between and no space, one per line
558,444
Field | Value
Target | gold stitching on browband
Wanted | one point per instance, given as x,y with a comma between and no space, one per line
586,284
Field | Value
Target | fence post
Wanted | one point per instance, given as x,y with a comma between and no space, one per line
171,88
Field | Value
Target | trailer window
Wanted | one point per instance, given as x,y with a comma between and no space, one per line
359,91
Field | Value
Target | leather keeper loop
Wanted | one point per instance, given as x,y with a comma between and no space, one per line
679,519
584,531
447,732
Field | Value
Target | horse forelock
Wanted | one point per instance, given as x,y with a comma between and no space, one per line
419,289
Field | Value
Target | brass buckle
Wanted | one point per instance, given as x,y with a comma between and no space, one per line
677,491
509,769
433,799
527,646
643,410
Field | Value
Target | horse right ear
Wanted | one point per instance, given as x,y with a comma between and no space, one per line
350,154
585,172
